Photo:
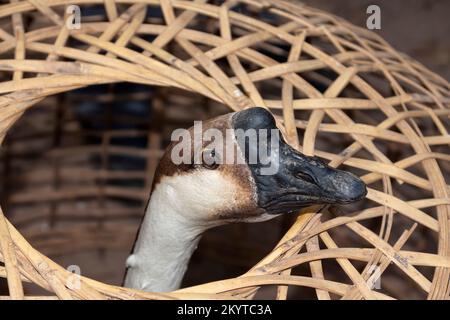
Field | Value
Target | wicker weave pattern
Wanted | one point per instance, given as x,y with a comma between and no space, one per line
320,75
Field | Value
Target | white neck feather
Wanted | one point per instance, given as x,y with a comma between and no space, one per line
169,233
163,248
180,209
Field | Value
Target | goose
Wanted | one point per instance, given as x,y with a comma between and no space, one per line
188,199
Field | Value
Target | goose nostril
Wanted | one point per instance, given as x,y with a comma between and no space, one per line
305,177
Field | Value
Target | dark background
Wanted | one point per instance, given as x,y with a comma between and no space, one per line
419,28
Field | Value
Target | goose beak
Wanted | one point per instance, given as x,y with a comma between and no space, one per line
285,179
302,181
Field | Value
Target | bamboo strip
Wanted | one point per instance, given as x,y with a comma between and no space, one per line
395,127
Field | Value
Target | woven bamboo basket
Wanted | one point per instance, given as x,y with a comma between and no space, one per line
338,92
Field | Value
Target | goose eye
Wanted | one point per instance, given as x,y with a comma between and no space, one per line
210,159
305,177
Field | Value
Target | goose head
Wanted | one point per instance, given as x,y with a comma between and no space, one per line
238,168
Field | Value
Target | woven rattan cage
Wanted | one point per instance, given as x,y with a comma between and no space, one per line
338,91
